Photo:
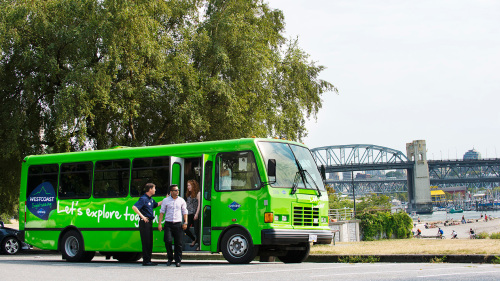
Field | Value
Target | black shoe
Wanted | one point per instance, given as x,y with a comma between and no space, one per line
177,264
149,264
169,263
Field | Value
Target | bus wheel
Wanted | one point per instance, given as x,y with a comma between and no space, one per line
237,247
72,248
298,255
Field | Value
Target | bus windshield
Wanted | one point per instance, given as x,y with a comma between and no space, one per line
294,165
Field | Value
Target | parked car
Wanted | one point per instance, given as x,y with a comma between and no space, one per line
9,240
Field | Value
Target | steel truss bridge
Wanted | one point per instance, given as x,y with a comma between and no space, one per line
483,173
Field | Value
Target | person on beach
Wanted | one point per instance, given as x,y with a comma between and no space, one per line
471,234
454,235
440,233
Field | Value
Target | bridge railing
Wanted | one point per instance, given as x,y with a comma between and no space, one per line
344,214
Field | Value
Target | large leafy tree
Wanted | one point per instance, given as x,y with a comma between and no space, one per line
90,74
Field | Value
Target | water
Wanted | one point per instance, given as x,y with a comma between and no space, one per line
469,215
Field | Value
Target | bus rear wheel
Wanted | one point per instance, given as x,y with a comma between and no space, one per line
72,248
297,255
237,247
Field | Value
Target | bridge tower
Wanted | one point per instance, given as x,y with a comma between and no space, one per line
419,193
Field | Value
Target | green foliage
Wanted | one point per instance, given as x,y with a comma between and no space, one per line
88,74
496,260
495,235
373,202
482,235
359,259
337,202
438,259
384,224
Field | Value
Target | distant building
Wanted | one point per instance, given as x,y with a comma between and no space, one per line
472,155
363,176
347,176
333,176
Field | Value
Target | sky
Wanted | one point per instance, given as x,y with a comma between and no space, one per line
405,70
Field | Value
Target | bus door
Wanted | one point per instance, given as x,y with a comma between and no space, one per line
206,206
177,173
238,199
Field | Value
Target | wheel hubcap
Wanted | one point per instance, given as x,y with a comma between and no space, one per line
12,246
237,246
71,246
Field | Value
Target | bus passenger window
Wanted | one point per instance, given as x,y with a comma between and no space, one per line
236,171
75,181
111,178
42,174
155,170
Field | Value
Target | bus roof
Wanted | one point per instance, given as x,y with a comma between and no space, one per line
122,152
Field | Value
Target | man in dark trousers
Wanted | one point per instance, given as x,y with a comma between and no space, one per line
144,208
175,209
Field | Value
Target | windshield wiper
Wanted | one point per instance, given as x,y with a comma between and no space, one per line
295,183
303,174
300,174
317,187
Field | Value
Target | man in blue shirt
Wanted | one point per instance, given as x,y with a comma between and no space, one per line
144,208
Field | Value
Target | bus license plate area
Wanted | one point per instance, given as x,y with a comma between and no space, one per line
313,238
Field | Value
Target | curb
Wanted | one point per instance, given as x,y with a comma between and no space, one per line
329,258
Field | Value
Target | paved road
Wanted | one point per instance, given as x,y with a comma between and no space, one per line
51,267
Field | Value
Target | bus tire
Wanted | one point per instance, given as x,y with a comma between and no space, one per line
296,256
72,248
237,246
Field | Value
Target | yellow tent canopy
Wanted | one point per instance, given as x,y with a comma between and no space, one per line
437,192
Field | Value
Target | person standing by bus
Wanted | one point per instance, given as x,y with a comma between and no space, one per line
193,206
175,209
144,208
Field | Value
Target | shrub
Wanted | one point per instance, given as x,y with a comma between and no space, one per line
384,224
495,235
482,235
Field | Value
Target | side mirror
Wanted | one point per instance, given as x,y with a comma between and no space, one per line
271,170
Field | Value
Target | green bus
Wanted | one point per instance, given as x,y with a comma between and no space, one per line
260,197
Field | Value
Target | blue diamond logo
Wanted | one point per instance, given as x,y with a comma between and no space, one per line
234,206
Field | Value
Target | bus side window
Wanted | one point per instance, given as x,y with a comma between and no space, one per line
236,171
75,180
39,174
111,178
155,170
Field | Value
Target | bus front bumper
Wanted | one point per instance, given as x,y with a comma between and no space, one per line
295,236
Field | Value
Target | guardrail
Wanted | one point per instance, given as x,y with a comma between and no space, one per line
344,214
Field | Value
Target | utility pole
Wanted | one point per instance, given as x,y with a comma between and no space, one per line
353,192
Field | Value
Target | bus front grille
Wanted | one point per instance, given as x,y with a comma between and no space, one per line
305,216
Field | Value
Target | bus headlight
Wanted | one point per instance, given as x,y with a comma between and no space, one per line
268,217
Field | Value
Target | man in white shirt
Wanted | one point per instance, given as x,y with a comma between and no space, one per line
175,209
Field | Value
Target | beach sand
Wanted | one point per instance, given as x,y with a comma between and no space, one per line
490,226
